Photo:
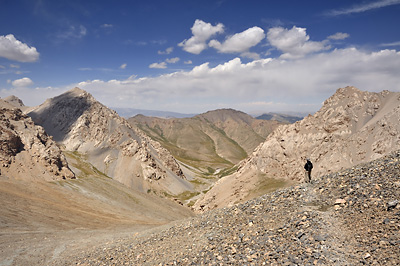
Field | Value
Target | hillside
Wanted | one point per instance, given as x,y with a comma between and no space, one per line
351,217
83,125
41,220
351,127
54,200
26,151
208,142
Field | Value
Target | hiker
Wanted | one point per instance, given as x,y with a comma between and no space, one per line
308,167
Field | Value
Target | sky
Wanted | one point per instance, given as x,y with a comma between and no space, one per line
192,56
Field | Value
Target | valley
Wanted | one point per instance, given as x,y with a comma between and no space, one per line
80,184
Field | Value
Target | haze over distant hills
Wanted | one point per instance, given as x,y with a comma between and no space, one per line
284,118
130,112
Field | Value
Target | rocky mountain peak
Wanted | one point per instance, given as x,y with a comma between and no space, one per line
80,123
14,100
26,151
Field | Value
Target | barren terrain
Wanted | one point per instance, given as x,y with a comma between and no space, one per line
347,218
42,220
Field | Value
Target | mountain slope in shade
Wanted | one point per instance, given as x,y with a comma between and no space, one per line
26,151
352,127
210,141
83,125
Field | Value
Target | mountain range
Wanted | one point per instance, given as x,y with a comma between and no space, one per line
209,142
72,165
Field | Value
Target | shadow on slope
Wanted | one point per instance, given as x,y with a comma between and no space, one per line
58,114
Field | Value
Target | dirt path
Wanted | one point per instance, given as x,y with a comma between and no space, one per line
49,248
330,231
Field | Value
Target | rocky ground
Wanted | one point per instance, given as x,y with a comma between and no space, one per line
347,218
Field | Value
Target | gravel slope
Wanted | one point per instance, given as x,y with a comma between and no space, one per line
347,218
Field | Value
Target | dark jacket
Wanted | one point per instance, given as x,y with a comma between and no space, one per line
308,166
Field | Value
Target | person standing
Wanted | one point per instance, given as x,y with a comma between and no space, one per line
308,167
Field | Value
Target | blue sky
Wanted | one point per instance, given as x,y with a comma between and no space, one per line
194,56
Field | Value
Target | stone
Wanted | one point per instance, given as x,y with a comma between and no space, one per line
340,201
392,204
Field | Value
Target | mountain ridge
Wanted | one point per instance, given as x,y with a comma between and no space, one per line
82,124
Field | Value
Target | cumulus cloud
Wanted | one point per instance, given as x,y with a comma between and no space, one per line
363,7
300,84
294,43
188,62
24,82
339,36
163,65
172,60
158,65
240,42
15,50
278,84
202,32
123,66
167,51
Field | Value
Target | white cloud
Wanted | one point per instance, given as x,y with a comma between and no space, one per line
391,44
24,82
107,26
294,84
363,7
240,42
188,62
167,51
300,84
163,65
72,33
172,60
339,36
158,65
250,55
123,66
294,43
202,32
15,50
